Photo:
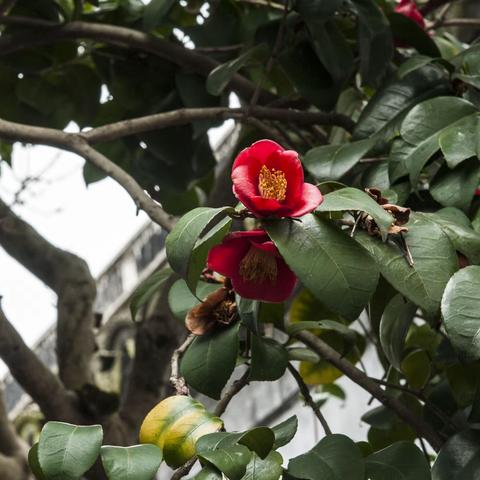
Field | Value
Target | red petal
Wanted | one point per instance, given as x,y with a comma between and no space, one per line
266,291
258,151
310,199
226,257
263,207
267,246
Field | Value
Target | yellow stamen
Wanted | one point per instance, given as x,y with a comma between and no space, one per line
258,266
272,184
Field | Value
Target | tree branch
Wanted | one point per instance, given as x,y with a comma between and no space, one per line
333,357
69,277
184,116
304,390
77,144
46,32
35,378
458,22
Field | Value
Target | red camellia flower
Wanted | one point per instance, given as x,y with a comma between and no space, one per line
410,10
269,181
254,266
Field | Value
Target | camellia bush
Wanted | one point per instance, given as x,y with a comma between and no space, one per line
344,218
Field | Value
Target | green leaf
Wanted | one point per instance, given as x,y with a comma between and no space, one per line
154,13
460,231
356,200
220,77
461,311
210,360
332,162
374,40
269,359
148,289
222,451
387,108
259,440
456,188
285,431
396,320
199,254
183,238
413,64
208,472
66,452
417,368
181,300
407,31
459,141
248,311
400,461
327,261
269,468
459,458
35,464
335,457
423,126
140,462
434,262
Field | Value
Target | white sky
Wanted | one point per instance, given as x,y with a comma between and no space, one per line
93,222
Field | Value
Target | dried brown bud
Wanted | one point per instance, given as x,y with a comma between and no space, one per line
401,215
217,308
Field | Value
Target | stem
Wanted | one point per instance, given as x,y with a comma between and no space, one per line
333,357
177,381
308,398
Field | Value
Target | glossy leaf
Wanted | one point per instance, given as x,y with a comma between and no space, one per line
268,468
155,11
332,162
140,462
458,228
335,457
456,188
269,359
327,261
388,107
434,262
461,311
183,238
459,458
210,360
353,199
396,320
222,451
175,425
423,126
66,452
285,431
34,463
400,461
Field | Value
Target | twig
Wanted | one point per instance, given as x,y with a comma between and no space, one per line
406,249
457,22
334,358
219,410
308,398
177,381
